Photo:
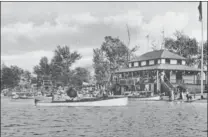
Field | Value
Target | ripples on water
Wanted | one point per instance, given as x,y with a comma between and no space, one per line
138,119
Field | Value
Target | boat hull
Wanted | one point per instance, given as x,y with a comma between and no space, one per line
155,98
106,102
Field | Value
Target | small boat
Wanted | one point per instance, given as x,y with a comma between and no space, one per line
14,95
26,97
108,101
22,96
152,98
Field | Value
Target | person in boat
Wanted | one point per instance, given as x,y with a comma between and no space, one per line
72,93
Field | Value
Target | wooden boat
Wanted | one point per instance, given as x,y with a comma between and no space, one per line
22,96
108,101
26,97
152,98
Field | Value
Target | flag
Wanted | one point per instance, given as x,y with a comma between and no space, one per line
200,11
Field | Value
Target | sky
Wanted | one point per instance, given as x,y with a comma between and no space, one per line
31,30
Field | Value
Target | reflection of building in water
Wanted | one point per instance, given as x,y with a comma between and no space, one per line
148,69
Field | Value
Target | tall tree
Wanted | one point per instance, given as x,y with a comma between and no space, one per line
61,63
101,66
27,75
112,55
10,76
184,46
116,52
43,68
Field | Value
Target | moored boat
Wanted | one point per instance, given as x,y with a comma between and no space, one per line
22,95
152,98
108,101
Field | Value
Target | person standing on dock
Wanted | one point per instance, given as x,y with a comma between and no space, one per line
162,76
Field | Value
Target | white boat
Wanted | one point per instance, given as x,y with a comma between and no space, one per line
153,98
110,101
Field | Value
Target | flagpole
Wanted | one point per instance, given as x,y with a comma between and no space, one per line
202,56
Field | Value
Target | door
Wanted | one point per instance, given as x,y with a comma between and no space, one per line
179,77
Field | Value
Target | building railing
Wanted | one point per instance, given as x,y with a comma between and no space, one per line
127,81
187,81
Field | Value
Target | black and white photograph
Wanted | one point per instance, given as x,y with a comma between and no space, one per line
104,69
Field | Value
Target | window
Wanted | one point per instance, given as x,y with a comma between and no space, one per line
172,61
132,64
143,63
167,61
179,62
151,62
136,64
183,62
162,61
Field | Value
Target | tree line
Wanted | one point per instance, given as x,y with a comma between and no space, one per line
187,47
58,70
112,55
13,76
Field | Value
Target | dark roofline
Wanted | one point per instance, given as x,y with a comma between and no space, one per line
160,52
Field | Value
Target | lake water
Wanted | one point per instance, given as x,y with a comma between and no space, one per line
137,119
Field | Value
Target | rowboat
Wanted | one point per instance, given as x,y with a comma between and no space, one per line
108,101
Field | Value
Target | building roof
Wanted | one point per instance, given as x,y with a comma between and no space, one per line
161,67
157,54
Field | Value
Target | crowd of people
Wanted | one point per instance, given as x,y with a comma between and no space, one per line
62,93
